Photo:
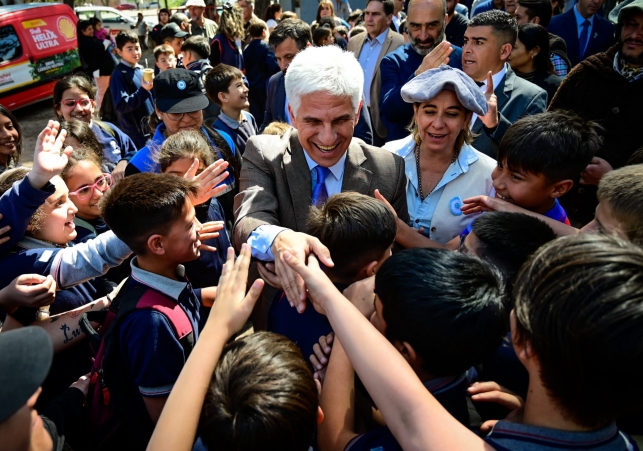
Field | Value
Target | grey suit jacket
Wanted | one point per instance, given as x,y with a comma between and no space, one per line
393,41
516,98
276,185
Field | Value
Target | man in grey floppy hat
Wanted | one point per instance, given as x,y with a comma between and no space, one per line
201,25
441,166
607,88
25,358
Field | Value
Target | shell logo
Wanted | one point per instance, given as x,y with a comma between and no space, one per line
67,28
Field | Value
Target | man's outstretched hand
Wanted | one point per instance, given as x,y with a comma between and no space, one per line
301,246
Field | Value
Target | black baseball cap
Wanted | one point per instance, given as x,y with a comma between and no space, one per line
25,359
172,30
179,91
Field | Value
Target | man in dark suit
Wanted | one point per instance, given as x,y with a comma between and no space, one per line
585,32
287,39
426,50
369,49
398,16
488,42
282,176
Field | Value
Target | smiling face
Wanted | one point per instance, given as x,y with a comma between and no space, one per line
440,121
59,212
482,52
80,177
76,104
9,138
425,23
632,40
375,20
325,125
237,95
131,52
182,241
530,191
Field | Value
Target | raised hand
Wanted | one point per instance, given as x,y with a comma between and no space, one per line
208,180
319,285
490,120
321,354
496,393
439,55
233,306
209,230
50,158
478,204
595,171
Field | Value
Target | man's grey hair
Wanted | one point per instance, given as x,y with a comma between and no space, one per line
324,69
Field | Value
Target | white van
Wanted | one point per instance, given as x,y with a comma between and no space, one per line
113,19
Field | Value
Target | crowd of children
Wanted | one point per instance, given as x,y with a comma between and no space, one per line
129,321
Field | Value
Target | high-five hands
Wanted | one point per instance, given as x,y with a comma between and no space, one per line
491,119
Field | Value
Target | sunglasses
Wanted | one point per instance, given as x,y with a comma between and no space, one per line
71,103
102,185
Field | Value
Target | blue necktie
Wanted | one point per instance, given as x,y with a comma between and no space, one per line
582,40
320,195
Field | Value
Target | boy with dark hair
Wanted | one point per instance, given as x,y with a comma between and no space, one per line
576,326
277,411
443,311
261,64
196,50
506,240
359,232
226,86
133,98
158,312
174,36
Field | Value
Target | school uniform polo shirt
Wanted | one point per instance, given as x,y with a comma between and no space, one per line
507,436
450,392
151,352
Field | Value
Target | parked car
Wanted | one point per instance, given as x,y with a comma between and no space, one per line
38,46
125,6
113,19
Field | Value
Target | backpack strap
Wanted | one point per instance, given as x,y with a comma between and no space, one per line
171,310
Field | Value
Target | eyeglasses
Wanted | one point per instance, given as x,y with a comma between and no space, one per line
178,116
71,103
102,185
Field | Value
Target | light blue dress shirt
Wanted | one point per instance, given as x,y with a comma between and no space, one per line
368,60
579,27
260,240
287,113
421,211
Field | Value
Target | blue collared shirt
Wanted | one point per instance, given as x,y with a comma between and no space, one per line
421,211
260,240
579,24
368,60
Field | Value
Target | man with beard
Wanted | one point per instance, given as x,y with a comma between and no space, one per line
287,40
607,88
427,49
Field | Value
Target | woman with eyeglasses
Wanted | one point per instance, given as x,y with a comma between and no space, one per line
74,99
180,100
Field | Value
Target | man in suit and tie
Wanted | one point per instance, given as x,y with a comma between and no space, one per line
427,49
282,176
398,16
585,32
287,39
488,42
369,49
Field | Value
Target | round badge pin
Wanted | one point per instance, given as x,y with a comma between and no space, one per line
181,85
454,205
